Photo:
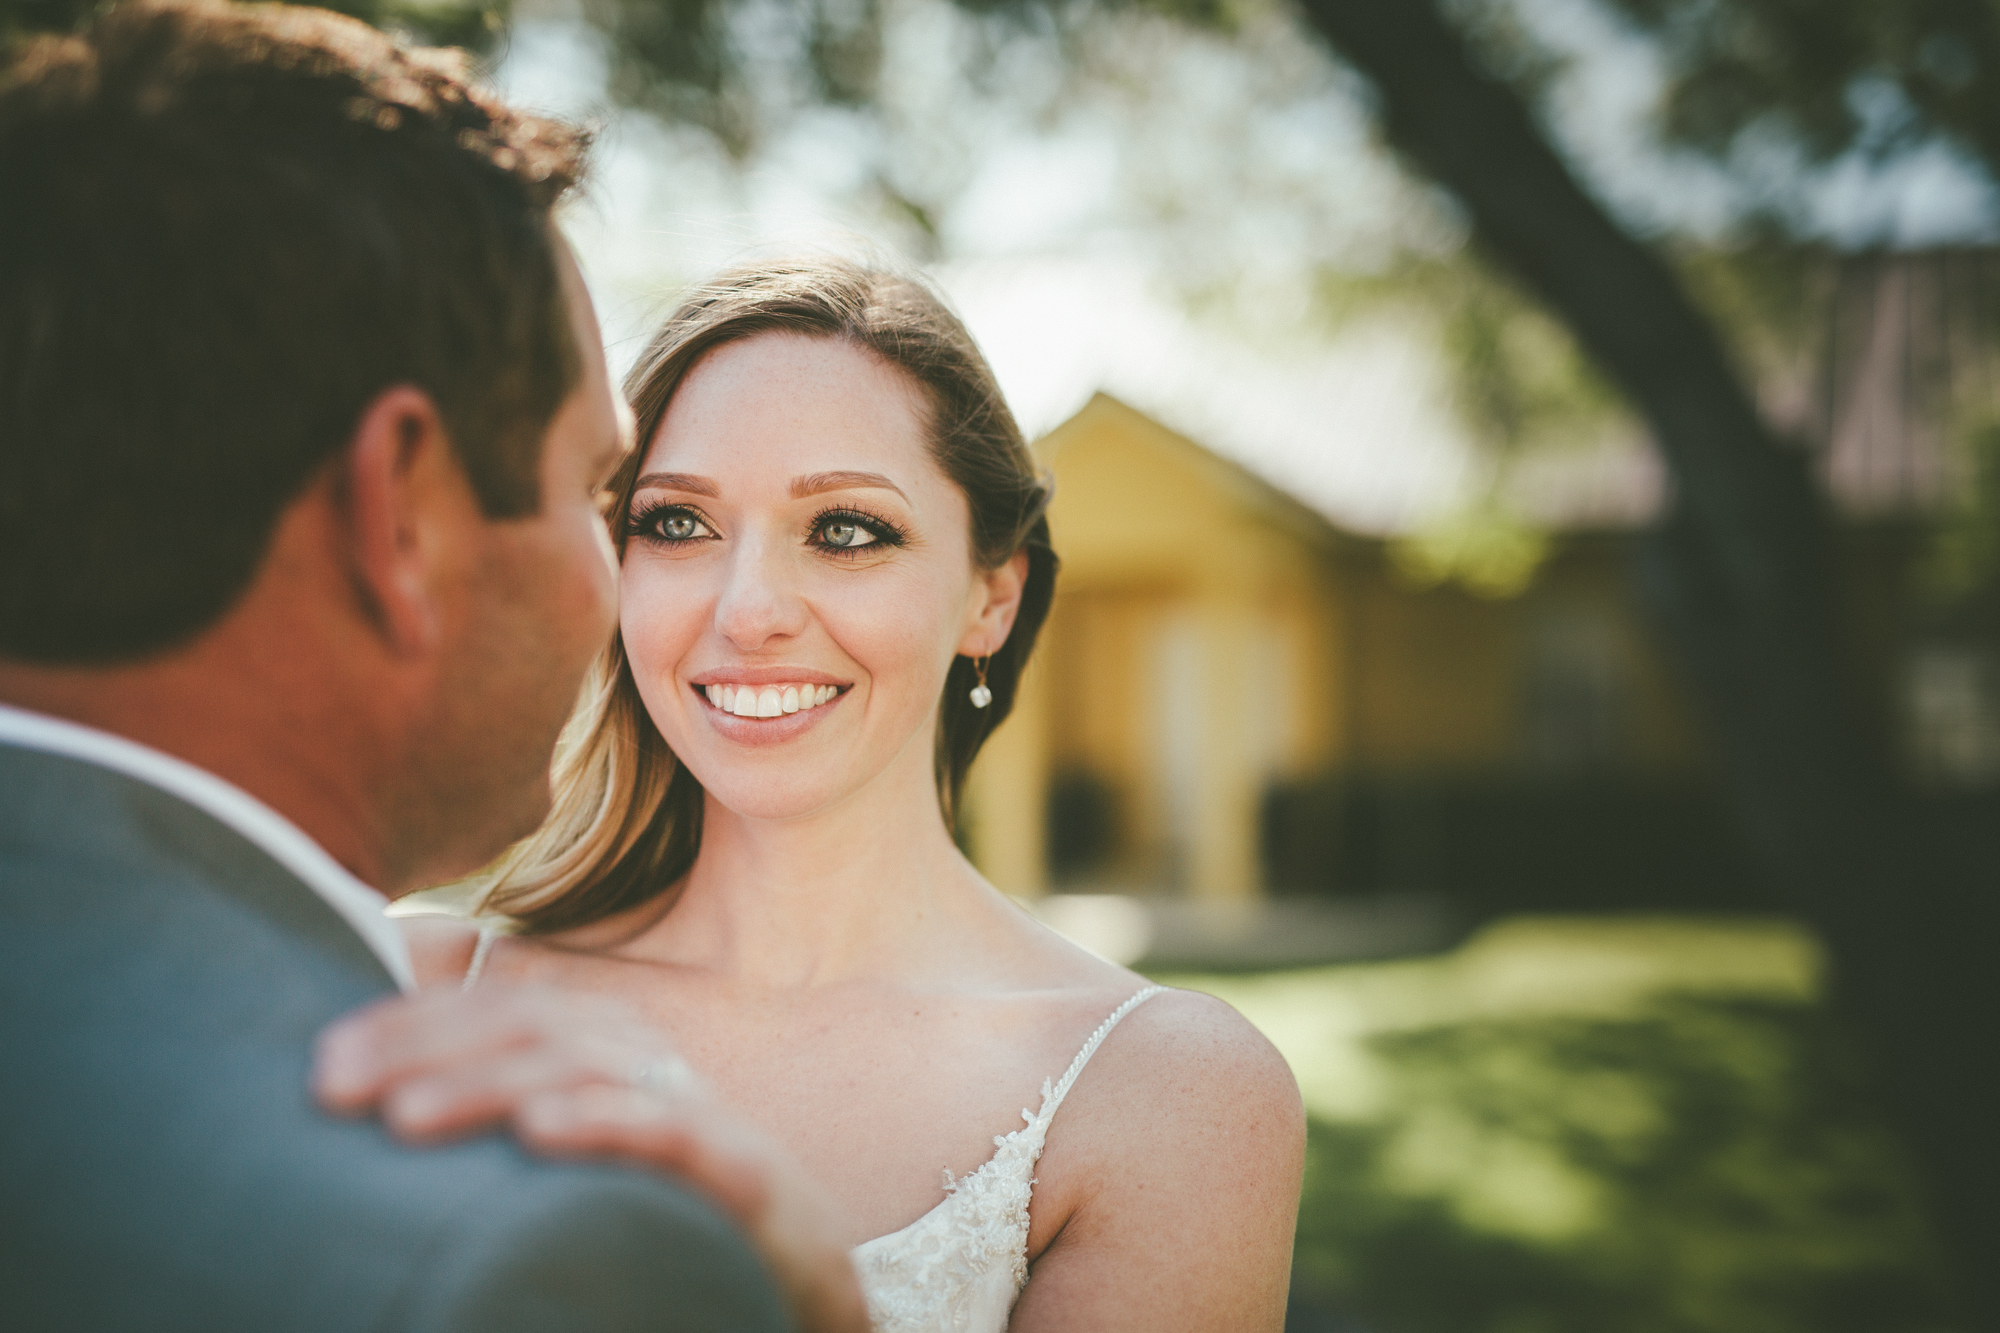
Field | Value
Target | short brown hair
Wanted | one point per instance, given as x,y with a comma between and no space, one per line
627,820
224,230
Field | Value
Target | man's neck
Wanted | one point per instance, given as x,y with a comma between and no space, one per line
276,744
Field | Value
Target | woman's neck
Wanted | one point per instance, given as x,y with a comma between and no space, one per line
863,888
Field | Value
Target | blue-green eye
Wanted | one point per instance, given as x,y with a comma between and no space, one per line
844,535
671,524
843,531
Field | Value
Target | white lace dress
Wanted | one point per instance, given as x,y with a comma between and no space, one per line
959,1267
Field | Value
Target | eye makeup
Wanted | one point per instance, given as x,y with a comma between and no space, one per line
668,523
836,530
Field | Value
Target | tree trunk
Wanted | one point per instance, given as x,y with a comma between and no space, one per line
1740,577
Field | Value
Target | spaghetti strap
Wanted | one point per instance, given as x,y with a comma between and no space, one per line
962,1264
1053,1097
487,934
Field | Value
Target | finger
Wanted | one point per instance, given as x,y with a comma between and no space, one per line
684,1141
360,1057
446,1103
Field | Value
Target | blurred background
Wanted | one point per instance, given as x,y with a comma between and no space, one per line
1528,481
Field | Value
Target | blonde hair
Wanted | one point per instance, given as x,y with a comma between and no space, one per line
626,824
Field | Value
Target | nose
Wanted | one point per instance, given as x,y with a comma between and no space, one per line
759,602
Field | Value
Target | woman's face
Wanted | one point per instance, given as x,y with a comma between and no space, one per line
799,575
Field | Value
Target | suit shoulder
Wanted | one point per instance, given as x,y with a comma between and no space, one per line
554,1247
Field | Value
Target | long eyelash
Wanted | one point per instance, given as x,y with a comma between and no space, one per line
648,512
887,533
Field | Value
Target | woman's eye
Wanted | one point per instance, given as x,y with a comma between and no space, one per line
674,525
844,535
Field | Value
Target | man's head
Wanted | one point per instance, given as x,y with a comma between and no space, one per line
292,362
224,231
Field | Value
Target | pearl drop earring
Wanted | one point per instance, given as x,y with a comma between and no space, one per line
981,696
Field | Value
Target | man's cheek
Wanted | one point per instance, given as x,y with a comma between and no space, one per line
607,552
594,582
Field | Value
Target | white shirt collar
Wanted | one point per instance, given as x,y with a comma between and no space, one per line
286,843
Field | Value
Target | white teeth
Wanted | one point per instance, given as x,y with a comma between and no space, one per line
768,700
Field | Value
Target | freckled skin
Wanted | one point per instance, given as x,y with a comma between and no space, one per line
884,620
832,964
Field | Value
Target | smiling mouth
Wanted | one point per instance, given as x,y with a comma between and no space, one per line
767,701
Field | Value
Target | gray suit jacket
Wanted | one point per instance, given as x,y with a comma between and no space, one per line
162,1165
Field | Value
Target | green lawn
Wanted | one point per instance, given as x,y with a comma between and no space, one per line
1591,1126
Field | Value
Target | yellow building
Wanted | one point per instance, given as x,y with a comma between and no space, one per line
1215,643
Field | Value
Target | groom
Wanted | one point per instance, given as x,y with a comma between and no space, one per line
303,415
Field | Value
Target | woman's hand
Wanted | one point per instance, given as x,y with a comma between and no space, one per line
578,1075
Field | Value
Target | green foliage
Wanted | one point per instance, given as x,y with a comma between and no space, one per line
1705,1166
1485,548
1964,558
1770,300
473,24
1520,386
1594,1126
1808,67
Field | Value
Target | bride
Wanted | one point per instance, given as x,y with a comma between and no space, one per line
834,565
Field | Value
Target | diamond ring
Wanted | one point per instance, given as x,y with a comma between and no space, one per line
668,1075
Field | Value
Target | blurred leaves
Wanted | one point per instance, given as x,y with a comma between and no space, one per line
1521,387
474,24
1831,75
1485,548
1571,1125
1964,558
1706,1167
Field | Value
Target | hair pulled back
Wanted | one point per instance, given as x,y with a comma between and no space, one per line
627,819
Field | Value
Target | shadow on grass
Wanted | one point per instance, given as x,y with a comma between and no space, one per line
1702,1166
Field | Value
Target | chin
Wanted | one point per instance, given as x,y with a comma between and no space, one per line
746,797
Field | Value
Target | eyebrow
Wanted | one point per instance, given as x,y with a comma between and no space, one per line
841,481
678,481
814,484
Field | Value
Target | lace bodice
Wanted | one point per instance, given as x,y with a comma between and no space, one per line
959,1267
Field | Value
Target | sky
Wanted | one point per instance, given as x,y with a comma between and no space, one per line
1152,220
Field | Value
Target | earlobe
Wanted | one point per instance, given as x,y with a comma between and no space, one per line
387,483
993,621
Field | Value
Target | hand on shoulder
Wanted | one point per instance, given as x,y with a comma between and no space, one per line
1171,1180
567,1073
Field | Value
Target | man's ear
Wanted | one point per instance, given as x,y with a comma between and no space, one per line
993,618
396,488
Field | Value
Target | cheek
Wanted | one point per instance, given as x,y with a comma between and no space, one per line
901,631
659,618
587,601
562,578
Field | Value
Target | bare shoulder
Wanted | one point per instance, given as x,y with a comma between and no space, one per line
1185,1080
1169,1189
440,946
1186,1054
